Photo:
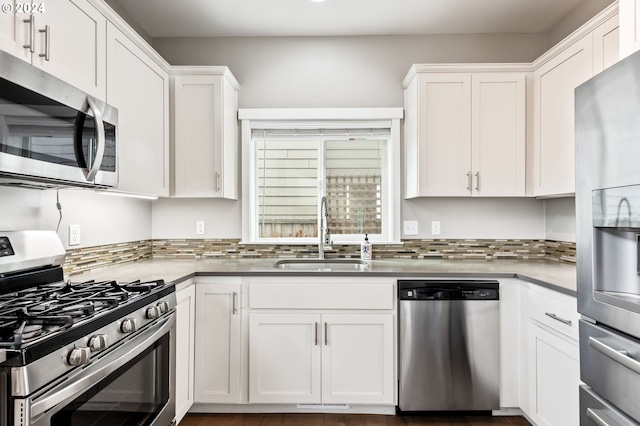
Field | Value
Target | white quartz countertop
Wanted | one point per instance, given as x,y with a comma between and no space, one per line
555,275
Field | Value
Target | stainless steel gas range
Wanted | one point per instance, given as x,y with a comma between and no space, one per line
86,353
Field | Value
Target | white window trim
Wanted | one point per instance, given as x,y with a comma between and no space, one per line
255,118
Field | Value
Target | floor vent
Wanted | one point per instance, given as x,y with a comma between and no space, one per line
324,406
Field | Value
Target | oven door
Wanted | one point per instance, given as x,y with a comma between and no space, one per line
133,384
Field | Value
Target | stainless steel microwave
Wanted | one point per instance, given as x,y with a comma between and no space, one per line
51,133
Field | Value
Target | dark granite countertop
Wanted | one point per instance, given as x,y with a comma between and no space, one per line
555,275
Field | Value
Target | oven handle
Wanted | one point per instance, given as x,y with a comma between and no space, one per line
103,367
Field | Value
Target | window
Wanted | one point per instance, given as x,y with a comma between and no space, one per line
290,165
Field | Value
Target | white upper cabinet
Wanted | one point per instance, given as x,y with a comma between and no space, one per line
205,132
138,86
65,38
11,30
606,44
556,76
554,84
464,133
629,27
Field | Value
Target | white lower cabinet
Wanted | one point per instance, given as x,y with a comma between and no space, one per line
185,337
554,359
554,378
217,346
321,358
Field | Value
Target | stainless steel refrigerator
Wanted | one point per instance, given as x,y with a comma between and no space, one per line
608,244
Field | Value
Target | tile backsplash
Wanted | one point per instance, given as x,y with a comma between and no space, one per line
91,258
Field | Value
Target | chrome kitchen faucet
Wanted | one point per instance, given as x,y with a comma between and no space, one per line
324,235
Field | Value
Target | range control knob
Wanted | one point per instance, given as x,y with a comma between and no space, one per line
129,325
153,312
164,307
98,343
79,356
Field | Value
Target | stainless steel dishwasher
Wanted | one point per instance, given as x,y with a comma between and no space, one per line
449,345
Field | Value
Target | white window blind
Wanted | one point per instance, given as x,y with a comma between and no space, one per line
291,162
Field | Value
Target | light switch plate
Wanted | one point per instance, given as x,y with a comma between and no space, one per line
74,235
410,227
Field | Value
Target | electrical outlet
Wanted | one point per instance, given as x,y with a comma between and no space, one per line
435,227
74,235
200,227
410,227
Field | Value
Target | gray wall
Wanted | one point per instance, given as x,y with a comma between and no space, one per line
313,72
103,219
299,72
587,10
350,72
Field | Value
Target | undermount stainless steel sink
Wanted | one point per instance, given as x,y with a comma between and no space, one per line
323,264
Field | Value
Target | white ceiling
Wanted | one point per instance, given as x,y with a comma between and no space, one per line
215,18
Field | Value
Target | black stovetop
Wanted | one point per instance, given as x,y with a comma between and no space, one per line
37,319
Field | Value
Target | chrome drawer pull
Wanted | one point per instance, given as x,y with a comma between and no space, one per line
557,318
596,418
621,357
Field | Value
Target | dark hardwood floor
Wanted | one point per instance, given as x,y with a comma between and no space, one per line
344,420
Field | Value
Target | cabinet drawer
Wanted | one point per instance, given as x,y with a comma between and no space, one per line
561,316
321,295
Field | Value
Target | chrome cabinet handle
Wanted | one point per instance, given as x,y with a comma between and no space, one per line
47,43
235,303
326,335
594,417
217,181
316,335
97,161
557,318
477,181
469,181
32,33
621,357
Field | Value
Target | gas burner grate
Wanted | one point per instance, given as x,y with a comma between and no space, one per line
18,331
35,312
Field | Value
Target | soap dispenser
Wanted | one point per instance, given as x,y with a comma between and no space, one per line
365,249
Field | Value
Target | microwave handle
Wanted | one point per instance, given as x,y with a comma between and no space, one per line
97,161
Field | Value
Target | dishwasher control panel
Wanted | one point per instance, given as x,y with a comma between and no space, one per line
448,290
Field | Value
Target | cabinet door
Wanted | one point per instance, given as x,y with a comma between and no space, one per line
444,134
284,358
554,377
139,88
498,134
185,340
205,137
357,359
629,27
70,44
217,372
554,85
606,44
15,32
